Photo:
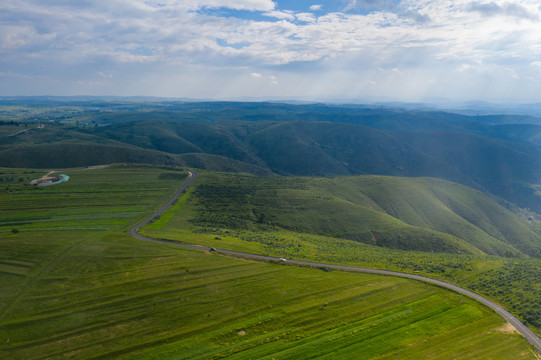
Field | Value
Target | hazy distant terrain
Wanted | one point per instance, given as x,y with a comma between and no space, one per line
499,155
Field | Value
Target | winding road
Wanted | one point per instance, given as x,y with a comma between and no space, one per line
521,328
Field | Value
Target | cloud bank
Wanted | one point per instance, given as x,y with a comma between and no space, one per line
213,48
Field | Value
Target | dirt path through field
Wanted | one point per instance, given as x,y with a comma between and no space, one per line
19,132
44,178
48,177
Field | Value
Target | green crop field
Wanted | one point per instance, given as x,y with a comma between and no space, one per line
289,217
76,285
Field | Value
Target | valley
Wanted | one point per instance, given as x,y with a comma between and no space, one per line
270,179
436,195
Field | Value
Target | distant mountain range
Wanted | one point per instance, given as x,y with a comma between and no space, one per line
470,108
497,154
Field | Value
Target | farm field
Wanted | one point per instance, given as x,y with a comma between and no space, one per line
75,285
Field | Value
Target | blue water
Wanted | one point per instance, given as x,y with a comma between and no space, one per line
63,178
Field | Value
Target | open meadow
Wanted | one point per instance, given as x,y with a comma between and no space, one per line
76,285
297,217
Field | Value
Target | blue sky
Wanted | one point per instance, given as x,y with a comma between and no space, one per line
405,50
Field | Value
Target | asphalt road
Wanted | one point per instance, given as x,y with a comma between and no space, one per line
521,328
133,230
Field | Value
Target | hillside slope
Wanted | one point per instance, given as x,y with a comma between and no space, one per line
510,170
504,168
56,146
404,213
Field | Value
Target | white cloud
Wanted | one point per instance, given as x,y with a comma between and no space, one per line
170,31
256,75
253,5
464,67
273,80
285,15
429,38
91,83
106,74
506,9
306,17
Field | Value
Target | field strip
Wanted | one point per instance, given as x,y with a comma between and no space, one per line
33,276
19,132
86,168
521,328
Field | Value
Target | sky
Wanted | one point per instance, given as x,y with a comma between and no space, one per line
396,50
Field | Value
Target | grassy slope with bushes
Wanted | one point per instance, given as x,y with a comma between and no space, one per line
74,284
405,213
244,213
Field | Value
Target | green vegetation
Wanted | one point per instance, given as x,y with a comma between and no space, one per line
265,139
71,277
287,217
90,200
74,284
405,213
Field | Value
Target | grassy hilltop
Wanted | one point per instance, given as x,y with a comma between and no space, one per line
76,285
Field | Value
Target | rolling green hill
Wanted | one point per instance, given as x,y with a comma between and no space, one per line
503,168
404,213
274,215
303,140
79,154
220,163
56,147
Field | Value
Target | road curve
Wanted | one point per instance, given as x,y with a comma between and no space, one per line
521,328
133,230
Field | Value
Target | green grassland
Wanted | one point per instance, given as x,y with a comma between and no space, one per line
299,218
405,213
268,139
75,285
